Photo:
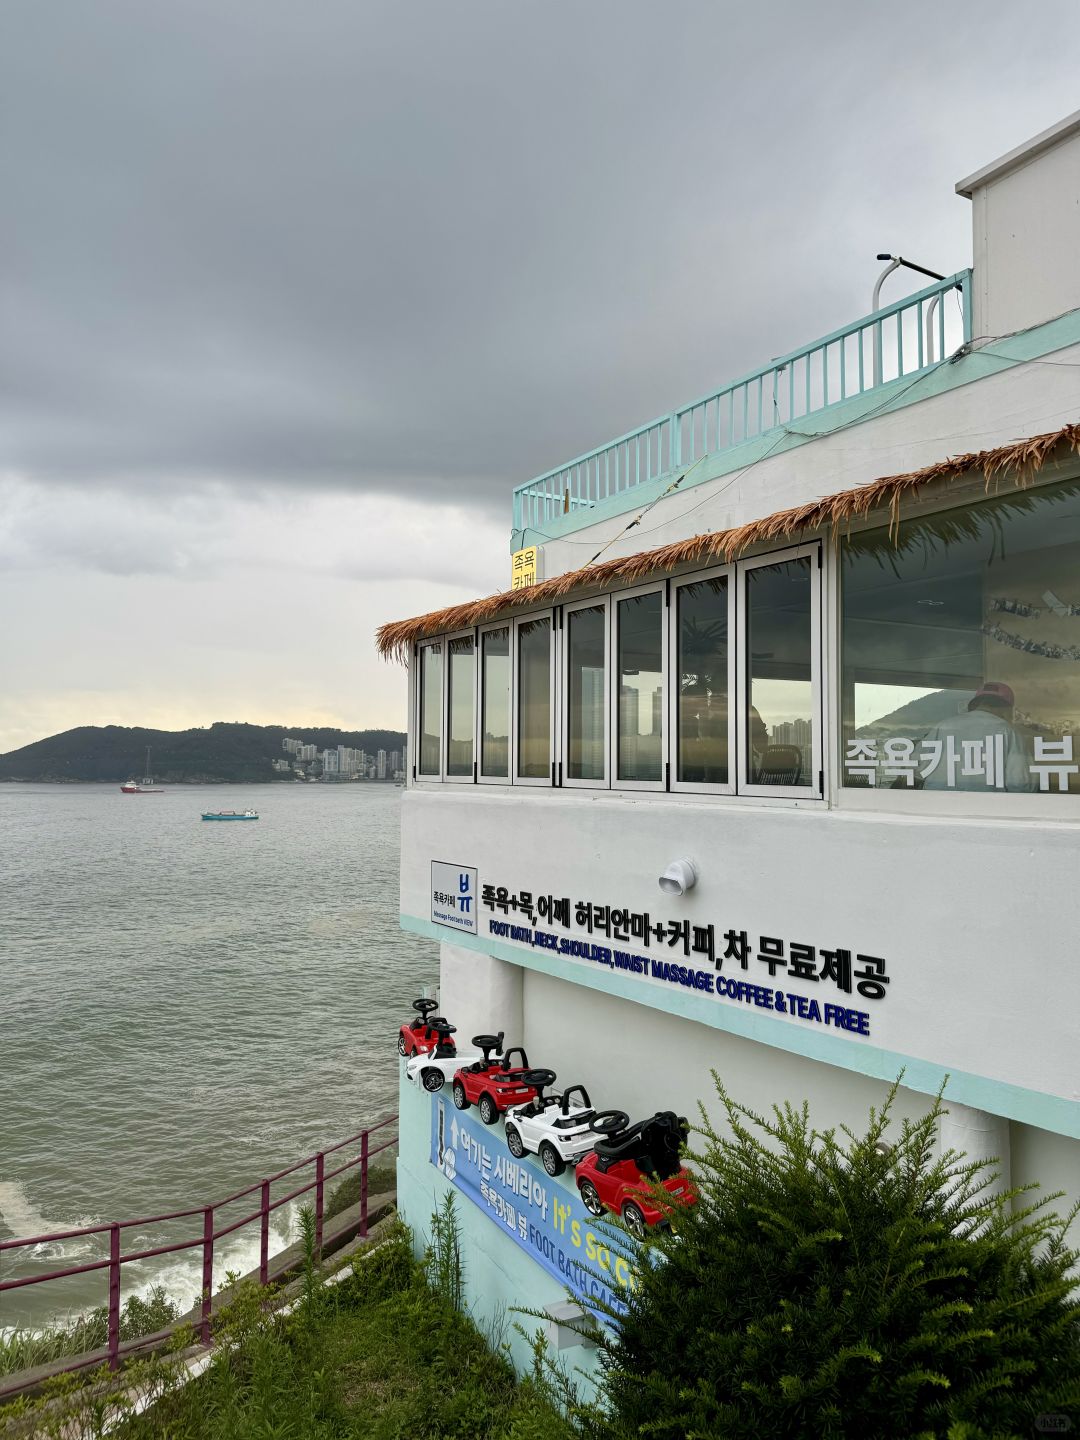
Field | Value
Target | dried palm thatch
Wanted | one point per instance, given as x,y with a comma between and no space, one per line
1018,463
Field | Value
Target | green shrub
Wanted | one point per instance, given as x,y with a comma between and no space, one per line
23,1348
836,1286
382,1177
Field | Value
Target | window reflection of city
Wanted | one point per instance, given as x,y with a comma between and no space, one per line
495,678
534,700
430,709
459,744
586,683
703,679
641,688
779,731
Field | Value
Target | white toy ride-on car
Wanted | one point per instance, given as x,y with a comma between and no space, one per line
554,1127
431,1071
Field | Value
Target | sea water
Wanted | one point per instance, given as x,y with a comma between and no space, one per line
186,1007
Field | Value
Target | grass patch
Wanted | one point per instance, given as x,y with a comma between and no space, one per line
25,1348
379,1356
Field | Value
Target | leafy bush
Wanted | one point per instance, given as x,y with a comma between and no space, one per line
24,1348
836,1286
381,1179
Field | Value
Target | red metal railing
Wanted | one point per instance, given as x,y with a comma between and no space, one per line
114,1348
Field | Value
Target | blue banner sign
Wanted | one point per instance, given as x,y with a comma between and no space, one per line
544,1216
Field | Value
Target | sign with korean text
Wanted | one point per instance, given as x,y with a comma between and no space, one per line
958,761
523,568
543,1216
453,896
819,984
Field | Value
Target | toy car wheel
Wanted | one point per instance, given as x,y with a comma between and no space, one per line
461,1100
433,1079
590,1198
634,1220
489,1111
514,1143
552,1161
401,1048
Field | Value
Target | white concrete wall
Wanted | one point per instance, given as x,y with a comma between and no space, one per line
647,1061
1026,240
480,998
976,919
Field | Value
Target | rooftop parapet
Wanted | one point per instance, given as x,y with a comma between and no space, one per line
898,342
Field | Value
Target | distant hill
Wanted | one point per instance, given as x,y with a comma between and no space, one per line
221,752
918,716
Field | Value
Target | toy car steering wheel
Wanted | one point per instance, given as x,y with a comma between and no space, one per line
609,1122
424,1007
538,1079
441,1026
488,1042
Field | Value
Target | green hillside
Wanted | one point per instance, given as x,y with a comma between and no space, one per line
219,752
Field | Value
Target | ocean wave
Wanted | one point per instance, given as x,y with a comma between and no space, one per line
22,1219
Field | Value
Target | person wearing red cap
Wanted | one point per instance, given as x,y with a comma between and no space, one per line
979,749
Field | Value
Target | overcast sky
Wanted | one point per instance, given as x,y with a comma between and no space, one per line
293,294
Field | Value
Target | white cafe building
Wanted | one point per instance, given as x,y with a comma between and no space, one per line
816,633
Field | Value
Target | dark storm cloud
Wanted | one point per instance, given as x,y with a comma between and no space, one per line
434,246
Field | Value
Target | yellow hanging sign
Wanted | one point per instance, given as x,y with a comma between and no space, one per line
523,568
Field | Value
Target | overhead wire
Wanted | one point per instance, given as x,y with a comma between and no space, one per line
785,430
788,429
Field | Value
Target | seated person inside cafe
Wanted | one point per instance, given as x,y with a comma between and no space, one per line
989,714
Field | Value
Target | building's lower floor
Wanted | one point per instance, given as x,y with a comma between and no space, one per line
526,1236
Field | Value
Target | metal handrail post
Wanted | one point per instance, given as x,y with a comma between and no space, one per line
930,310
207,1272
264,1232
363,1184
114,1297
320,1170
873,310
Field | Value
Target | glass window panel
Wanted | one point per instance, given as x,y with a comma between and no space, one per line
430,708
534,700
586,682
495,740
779,670
703,682
641,687
961,648
462,707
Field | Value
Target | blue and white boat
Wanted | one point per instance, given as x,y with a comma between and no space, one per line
230,815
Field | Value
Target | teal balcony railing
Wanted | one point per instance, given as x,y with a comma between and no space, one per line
897,342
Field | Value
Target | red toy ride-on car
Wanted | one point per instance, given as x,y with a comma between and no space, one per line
419,1037
616,1174
492,1085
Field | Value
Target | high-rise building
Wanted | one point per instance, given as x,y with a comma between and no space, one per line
629,711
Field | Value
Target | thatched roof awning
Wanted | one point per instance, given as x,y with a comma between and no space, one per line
1020,462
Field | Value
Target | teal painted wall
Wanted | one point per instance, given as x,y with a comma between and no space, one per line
498,1274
